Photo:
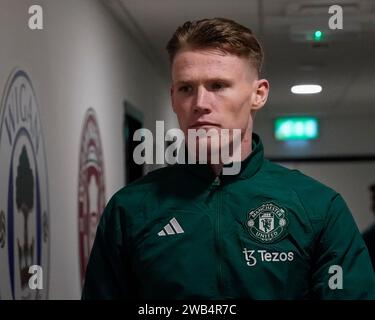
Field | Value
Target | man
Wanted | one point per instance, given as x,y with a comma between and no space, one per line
188,231
369,235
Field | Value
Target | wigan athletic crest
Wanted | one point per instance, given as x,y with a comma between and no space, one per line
91,191
268,223
24,207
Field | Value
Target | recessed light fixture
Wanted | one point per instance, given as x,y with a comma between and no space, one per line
306,89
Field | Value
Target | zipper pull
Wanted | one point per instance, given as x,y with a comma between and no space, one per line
217,181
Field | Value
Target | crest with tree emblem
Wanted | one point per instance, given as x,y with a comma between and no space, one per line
24,196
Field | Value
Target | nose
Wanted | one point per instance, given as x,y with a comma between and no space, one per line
202,103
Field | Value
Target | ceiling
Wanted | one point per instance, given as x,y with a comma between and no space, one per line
344,63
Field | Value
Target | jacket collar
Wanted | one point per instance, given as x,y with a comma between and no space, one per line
249,166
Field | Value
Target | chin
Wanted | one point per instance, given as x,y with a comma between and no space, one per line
210,149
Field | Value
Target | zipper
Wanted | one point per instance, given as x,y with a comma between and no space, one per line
216,184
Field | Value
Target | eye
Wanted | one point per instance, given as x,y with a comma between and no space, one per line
185,89
218,86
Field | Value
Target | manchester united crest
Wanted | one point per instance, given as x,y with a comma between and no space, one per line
91,190
268,223
24,202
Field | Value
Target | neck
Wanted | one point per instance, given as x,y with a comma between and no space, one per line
246,149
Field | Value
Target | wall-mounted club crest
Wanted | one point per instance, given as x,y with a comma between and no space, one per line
91,188
24,202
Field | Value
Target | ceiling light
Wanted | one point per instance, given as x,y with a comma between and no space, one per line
306,89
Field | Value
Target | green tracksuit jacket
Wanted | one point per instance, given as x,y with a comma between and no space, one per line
265,233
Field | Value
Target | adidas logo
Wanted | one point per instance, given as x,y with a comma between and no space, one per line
170,228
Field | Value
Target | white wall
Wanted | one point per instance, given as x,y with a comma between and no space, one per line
339,135
83,58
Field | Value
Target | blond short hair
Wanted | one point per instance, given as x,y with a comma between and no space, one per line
217,33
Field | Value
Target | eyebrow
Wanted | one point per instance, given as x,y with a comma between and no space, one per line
215,79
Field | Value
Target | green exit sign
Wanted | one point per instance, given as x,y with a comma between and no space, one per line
296,128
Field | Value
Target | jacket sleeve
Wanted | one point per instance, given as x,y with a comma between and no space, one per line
108,270
342,267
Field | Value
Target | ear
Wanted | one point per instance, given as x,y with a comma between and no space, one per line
172,99
260,95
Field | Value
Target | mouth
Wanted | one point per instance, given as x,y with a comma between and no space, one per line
204,124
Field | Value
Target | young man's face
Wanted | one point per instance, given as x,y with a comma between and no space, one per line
211,89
